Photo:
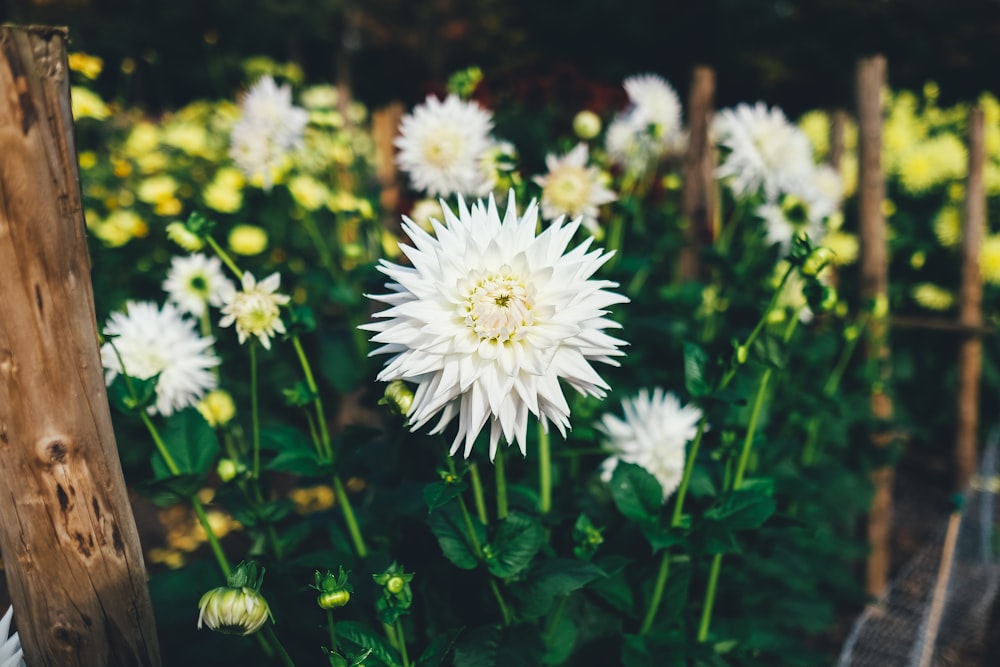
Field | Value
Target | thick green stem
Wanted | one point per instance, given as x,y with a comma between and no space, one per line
224,256
324,446
501,481
654,602
254,412
349,519
331,629
686,477
544,470
213,540
402,643
706,612
477,492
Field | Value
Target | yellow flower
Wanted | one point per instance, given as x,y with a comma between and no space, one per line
87,65
312,498
888,208
190,138
86,103
948,226
918,259
120,227
991,178
172,558
816,126
247,239
308,192
989,260
157,189
932,297
153,163
143,139
844,247
849,173
932,162
218,407
956,192
88,159
225,193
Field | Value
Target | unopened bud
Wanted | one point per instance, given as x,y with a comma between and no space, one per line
587,125
817,260
398,397
179,234
741,354
227,469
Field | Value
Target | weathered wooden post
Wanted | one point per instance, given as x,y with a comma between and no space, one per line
68,537
385,127
871,78
970,346
698,196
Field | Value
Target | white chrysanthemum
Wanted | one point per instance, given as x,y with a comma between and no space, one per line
194,281
255,310
654,103
650,128
442,146
152,340
762,150
653,434
269,128
11,654
573,189
491,317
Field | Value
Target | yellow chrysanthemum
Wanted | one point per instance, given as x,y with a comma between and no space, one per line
172,558
120,227
218,407
948,226
225,193
816,126
88,159
309,193
247,240
933,162
86,103
989,260
189,137
157,189
144,138
87,65
153,163
844,247
932,297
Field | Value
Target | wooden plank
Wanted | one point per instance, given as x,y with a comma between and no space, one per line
68,537
698,196
970,349
871,76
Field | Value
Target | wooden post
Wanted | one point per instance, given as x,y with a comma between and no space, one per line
698,200
970,348
871,78
838,125
68,537
385,127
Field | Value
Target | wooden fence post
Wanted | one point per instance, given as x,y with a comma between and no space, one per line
871,78
698,196
970,347
68,537
385,128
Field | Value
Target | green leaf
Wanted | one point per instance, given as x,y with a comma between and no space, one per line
551,578
614,588
120,396
362,637
743,510
449,527
695,370
660,536
637,493
675,593
280,438
438,494
495,646
338,360
560,641
298,462
171,490
191,443
436,653
701,484
517,540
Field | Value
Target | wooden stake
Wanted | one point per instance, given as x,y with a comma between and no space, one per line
940,591
970,349
698,196
838,125
385,127
874,289
70,547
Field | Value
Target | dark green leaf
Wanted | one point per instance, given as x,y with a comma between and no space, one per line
449,527
299,462
517,540
438,494
171,490
560,641
494,646
637,493
437,652
121,397
743,509
339,360
191,443
614,588
661,537
695,370
280,438
363,638
550,579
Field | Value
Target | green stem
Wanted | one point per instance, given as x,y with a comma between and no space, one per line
686,477
325,258
331,629
654,602
554,619
224,256
402,643
349,519
254,411
508,618
324,432
390,634
501,481
544,470
706,612
477,492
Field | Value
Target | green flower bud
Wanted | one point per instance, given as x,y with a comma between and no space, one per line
333,599
334,591
179,234
233,611
817,260
227,470
587,125
398,397
395,584
741,354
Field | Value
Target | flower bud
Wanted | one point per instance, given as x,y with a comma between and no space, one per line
817,260
179,234
587,125
741,354
334,591
233,611
227,469
247,240
398,397
333,599
395,584
217,407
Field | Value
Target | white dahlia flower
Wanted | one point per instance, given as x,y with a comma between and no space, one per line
650,128
655,103
255,310
11,654
442,146
653,434
573,189
269,128
194,281
762,151
490,318
150,341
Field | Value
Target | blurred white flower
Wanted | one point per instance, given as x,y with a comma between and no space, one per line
651,126
654,103
442,146
762,151
151,341
489,319
653,434
11,654
573,189
269,128
255,309
194,281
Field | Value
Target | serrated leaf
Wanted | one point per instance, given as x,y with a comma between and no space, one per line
449,528
696,370
518,539
362,637
439,494
637,494
551,578
190,442
495,646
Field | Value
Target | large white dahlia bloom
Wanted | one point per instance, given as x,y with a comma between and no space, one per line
491,317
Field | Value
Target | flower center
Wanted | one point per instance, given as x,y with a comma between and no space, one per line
443,147
568,189
198,285
255,313
499,307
